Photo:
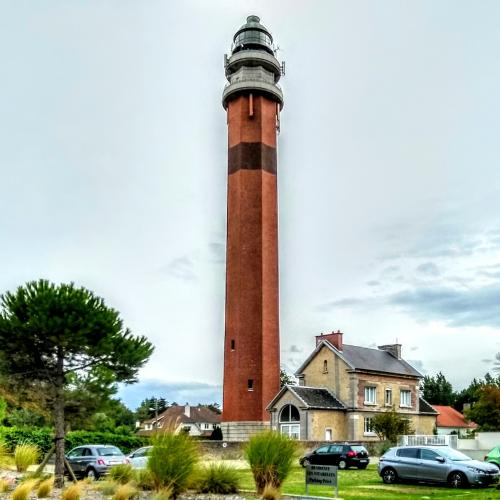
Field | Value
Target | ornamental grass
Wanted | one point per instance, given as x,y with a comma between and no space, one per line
217,478
45,488
271,456
122,473
25,454
22,492
172,461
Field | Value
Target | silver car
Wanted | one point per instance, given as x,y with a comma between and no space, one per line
94,460
440,464
139,458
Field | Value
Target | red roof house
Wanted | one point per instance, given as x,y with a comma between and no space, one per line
451,421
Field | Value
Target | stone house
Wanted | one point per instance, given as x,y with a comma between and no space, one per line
194,420
342,387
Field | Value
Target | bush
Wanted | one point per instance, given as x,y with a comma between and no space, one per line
122,473
126,443
172,461
45,488
42,438
270,455
107,488
218,478
25,455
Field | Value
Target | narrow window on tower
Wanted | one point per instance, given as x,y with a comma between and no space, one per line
250,384
233,343
325,366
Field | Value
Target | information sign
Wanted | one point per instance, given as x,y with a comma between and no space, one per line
325,475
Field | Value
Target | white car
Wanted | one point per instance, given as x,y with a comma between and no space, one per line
139,458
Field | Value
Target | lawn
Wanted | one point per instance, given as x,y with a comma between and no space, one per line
366,484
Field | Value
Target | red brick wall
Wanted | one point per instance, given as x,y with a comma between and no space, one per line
252,262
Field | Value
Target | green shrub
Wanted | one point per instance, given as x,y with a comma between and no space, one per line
217,478
126,443
42,438
25,455
122,473
271,456
172,461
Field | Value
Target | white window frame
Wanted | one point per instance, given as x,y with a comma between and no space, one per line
388,400
370,395
290,430
405,402
367,427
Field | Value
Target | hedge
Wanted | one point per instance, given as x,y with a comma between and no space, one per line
43,438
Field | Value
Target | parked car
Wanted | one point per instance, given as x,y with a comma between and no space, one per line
440,464
342,455
139,458
493,457
94,460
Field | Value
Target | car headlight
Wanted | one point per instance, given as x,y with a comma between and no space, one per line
476,470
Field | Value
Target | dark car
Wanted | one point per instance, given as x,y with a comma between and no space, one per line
342,455
94,460
493,457
438,464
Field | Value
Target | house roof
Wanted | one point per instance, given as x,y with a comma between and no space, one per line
317,398
449,417
366,358
177,415
425,407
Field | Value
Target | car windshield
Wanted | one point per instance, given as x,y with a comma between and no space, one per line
452,454
109,451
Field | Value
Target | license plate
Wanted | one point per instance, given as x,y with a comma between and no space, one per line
363,461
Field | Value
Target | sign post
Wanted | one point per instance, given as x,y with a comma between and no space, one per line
322,474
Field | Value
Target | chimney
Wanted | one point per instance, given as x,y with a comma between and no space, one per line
335,338
187,410
394,349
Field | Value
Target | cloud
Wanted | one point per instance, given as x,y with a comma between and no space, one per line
181,268
454,307
373,283
428,269
179,392
296,348
472,307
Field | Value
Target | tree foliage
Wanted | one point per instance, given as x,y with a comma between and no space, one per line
437,390
486,411
52,335
390,424
286,379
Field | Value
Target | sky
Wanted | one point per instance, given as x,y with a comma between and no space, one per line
113,171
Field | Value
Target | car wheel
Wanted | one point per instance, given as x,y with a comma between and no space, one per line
389,475
92,474
457,480
342,464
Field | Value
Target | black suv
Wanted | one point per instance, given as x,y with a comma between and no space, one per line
342,455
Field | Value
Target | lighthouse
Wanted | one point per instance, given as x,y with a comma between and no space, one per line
253,100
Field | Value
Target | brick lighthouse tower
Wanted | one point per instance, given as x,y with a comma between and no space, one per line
253,101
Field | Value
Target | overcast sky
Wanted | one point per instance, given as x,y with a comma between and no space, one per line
113,170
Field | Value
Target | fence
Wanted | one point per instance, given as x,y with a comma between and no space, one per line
433,440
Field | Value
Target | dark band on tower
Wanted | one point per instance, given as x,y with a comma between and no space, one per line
253,101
